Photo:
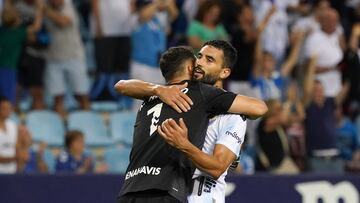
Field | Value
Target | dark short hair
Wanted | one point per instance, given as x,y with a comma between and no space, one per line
71,136
172,61
205,7
230,53
4,99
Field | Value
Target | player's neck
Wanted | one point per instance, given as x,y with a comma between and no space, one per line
219,84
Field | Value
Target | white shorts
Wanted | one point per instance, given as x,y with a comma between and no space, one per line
146,73
64,74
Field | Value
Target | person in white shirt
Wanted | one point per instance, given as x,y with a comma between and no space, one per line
327,46
9,137
275,37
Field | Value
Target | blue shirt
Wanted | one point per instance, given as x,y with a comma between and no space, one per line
320,126
148,42
346,141
65,162
31,164
270,88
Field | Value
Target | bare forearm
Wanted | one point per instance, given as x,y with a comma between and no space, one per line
251,107
173,11
41,165
59,19
136,88
96,12
204,162
36,26
148,12
7,159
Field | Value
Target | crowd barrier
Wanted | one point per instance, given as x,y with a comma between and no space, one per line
65,188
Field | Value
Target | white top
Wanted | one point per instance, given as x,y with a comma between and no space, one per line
329,54
115,18
275,35
65,42
228,130
8,139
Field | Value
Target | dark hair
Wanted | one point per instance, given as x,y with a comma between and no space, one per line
4,99
71,136
205,7
172,60
230,53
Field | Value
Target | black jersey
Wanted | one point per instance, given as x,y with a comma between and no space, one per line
156,165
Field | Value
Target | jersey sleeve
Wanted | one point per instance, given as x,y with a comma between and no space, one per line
217,100
231,132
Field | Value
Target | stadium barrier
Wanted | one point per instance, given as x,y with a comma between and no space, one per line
67,188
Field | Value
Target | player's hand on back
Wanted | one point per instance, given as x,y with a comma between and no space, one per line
173,133
174,97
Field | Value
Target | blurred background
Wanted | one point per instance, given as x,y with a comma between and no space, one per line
59,61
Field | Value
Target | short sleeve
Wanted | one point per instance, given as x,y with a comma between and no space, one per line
222,32
311,47
217,100
231,132
193,29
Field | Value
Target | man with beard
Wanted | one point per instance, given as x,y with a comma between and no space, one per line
158,172
224,137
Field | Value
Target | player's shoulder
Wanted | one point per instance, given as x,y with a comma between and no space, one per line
231,117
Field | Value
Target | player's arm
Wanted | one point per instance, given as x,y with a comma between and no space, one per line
251,107
171,95
214,165
5,160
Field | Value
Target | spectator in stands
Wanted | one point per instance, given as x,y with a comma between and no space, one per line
12,38
244,36
295,124
35,162
320,123
32,63
149,39
347,138
275,36
9,139
309,23
206,25
65,55
328,47
111,28
74,159
271,149
353,70
267,81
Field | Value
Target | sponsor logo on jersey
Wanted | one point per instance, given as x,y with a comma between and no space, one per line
234,135
147,170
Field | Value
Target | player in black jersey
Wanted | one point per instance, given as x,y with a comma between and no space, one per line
158,172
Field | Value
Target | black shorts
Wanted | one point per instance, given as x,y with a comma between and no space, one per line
31,71
149,196
112,54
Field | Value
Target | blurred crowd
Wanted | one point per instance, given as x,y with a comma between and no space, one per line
300,56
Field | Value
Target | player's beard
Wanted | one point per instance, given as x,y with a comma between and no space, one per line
207,78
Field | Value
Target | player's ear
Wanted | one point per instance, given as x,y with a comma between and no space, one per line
225,72
189,67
